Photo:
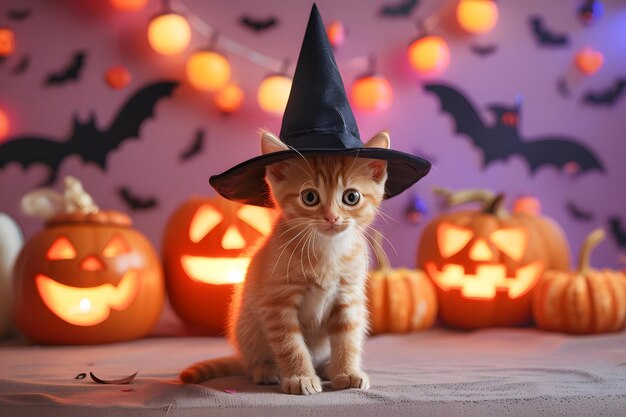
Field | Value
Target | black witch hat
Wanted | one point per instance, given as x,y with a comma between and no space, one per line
318,120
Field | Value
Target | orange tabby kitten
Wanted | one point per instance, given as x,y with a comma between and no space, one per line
302,306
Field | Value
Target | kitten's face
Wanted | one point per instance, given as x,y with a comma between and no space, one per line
330,194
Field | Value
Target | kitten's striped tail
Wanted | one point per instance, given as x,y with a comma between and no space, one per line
212,368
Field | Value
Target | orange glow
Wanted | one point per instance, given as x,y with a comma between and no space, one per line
512,242
589,61
488,280
273,93
429,55
216,271
232,239
116,246
451,238
261,218
61,249
7,42
91,263
128,5
527,204
229,98
480,251
371,93
205,219
207,70
477,16
336,33
5,125
169,33
117,77
87,306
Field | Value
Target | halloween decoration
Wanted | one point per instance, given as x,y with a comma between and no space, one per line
590,10
137,203
169,33
86,140
207,70
336,33
5,126
128,5
544,36
71,73
19,15
585,301
527,204
606,97
403,8
483,50
22,66
206,252
372,93
486,263
429,55
88,277
617,230
578,213
588,61
316,124
502,140
399,300
273,93
7,42
477,16
196,146
117,77
11,241
229,98
258,25
416,209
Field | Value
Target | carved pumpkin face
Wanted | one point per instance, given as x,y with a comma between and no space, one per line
206,252
486,266
87,282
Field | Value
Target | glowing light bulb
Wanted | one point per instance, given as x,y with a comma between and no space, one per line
169,33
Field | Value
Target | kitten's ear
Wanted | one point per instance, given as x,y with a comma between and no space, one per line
270,143
378,168
379,140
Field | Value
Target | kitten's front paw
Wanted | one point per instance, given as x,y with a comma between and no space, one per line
357,379
302,385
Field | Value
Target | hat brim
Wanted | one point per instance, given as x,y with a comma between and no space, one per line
246,183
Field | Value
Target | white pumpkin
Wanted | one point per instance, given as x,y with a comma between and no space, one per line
11,242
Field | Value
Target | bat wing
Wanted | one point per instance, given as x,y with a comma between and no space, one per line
559,151
137,109
29,150
465,116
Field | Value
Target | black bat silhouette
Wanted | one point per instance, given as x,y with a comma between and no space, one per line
607,97
86,140
21,66
18,14
563,88
545,36
617,231
502,140
484,50
258,25
399,10
577,213
137,203
70,73
195,148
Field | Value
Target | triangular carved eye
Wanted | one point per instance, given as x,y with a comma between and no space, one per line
258,217
61,249
116,246
205,219
512,242
451,238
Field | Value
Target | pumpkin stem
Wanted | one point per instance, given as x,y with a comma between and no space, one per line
593,239
495,205
491,202
381,256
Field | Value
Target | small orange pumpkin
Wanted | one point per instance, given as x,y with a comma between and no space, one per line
206,252
584,301
399,300
485,263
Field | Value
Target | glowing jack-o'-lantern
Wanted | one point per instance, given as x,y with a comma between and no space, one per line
486,263
206,253
87,278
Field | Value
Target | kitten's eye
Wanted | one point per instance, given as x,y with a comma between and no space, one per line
310,197
351,197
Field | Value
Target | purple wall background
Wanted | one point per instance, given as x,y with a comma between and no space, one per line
150,166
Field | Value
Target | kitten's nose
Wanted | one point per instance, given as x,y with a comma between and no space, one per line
331,219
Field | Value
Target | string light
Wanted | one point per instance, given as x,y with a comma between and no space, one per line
429,55
371,92
208,70
169,33
477,16
4,125
7,42
273,93
229,98
128,5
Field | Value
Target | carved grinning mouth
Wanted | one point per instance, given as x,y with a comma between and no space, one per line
488,280
215,271
87,306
